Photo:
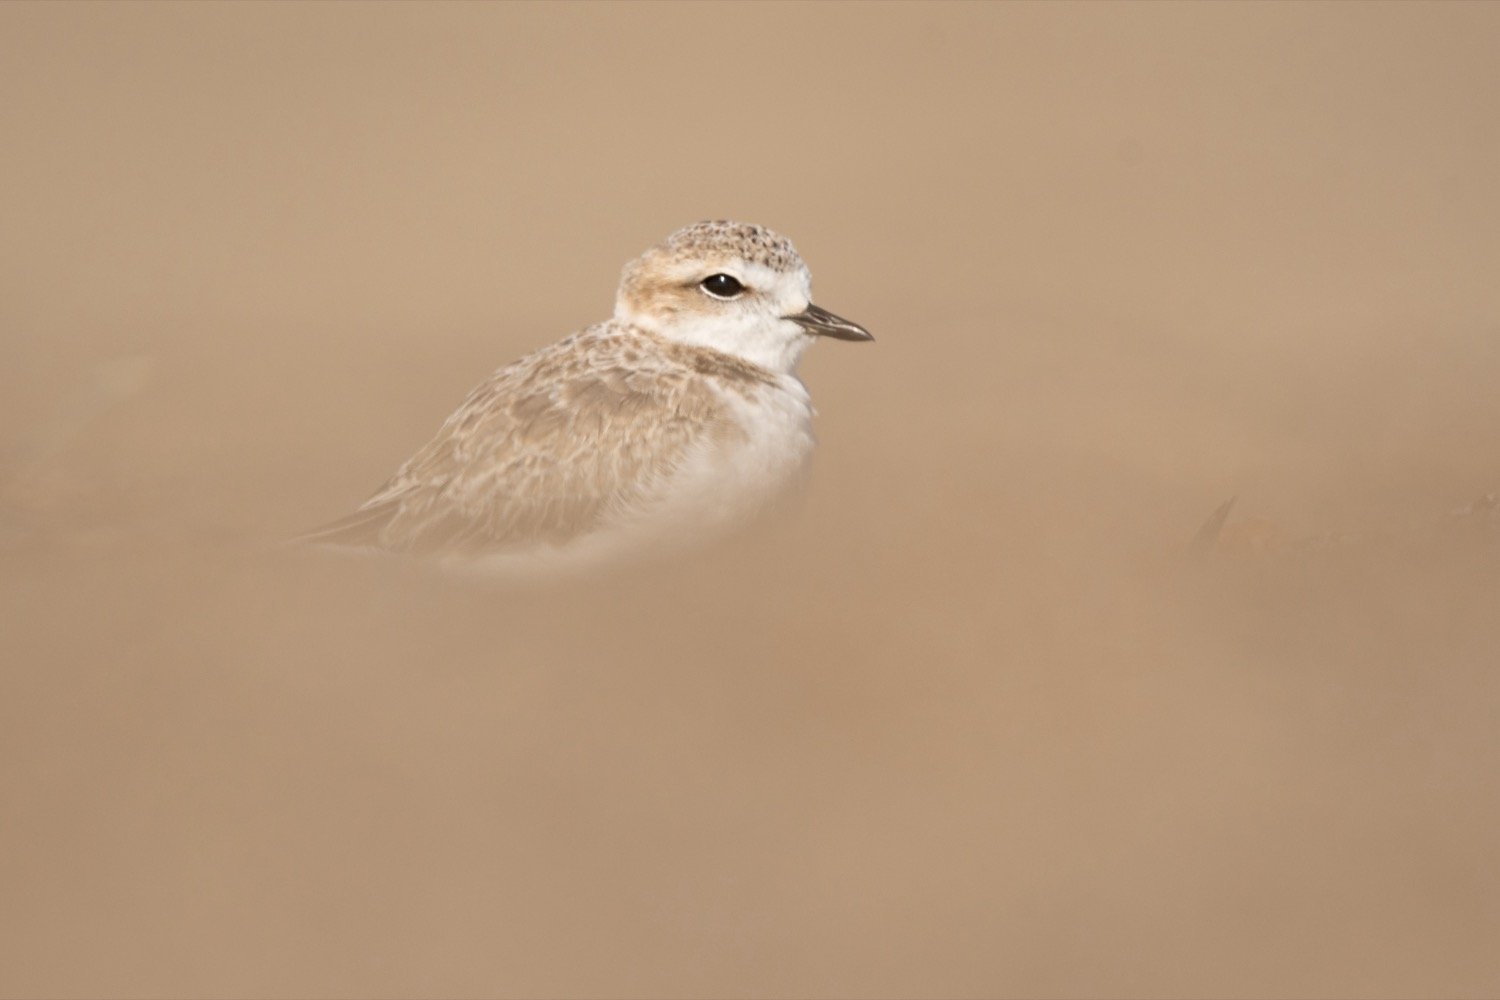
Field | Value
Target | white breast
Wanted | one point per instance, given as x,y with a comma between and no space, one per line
729,479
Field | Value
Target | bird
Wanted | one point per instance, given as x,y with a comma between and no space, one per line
677,419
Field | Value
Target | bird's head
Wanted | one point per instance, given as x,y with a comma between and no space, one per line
733,287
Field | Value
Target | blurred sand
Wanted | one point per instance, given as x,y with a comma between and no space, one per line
965,723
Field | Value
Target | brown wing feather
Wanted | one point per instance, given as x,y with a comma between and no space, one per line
549,448
362,528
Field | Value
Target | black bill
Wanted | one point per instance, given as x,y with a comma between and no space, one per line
822,323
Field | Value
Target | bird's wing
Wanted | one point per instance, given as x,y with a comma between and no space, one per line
546,450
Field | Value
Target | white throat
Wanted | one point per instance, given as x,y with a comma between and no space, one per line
770,342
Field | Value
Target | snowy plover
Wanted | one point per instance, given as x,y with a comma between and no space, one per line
679,416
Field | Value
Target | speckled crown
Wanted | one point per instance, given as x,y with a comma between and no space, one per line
720,237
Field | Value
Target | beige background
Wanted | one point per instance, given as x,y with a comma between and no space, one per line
963,723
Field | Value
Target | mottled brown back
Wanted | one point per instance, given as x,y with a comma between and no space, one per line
553,446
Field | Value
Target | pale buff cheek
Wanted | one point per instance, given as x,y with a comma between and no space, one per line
668,306
693,305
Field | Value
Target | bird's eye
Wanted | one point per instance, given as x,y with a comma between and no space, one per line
722,286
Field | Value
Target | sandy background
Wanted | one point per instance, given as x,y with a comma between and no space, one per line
966,722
